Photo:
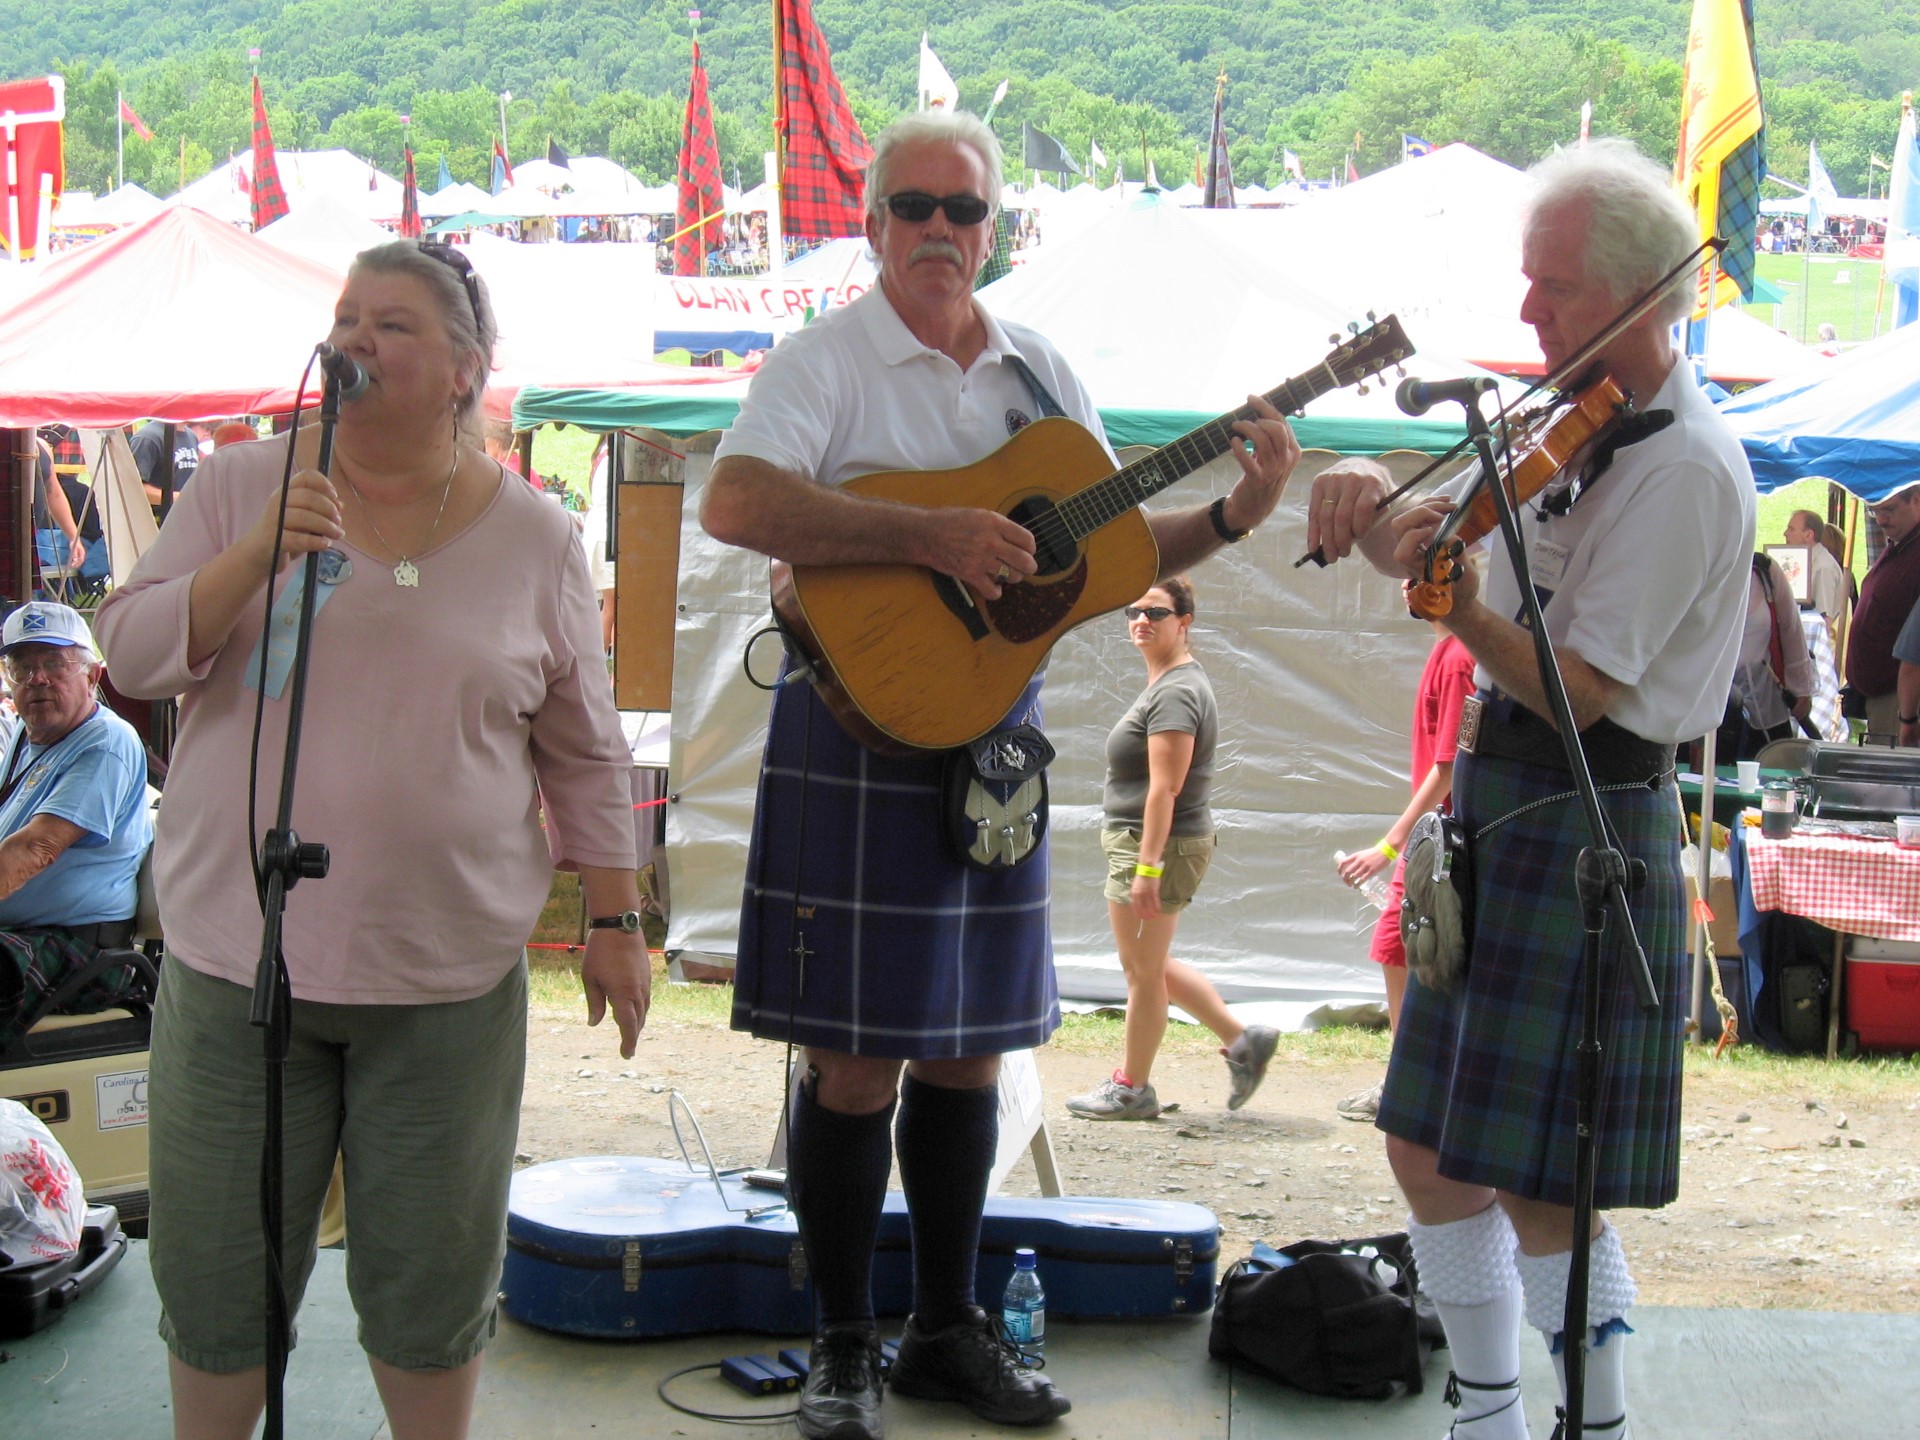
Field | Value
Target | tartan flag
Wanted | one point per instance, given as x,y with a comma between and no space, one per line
824,155
502,170
1219,183
1000,261
36,150
269,200
1722,151
410,226
139,125
697,225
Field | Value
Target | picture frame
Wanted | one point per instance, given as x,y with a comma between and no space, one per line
1796,563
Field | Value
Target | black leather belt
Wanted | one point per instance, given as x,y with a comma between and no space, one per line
105,934
1615,755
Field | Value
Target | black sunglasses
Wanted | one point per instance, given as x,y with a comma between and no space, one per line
914,206
1155,613
457,262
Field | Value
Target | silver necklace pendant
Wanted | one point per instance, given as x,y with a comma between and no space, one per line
407,575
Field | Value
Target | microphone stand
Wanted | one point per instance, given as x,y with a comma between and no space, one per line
1603,879
285,860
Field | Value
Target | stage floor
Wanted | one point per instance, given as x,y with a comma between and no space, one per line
100,1374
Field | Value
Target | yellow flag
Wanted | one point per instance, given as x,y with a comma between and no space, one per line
1719,113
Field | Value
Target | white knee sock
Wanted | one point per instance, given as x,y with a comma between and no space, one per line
1610,1293
1466,1268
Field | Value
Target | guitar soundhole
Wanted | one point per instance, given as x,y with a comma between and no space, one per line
1053,545
1034,609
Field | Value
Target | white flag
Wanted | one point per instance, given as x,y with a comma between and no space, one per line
937,89
1097,155
1291,163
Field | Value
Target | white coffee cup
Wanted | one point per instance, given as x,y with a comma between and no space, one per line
1749,772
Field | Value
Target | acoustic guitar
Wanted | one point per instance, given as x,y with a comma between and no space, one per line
909,659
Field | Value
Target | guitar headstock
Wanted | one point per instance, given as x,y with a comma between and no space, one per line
1370,351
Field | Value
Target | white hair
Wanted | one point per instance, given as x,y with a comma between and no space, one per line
466,309
1638,228
942,127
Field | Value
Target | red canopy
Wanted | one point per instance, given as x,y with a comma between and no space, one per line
181,317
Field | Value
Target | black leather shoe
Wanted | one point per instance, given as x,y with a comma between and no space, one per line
841,1399
970,1361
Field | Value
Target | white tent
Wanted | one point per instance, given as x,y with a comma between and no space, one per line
326,229
225,190
1439,244
456,199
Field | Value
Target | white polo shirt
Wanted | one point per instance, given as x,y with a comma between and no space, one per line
1648,572
854,393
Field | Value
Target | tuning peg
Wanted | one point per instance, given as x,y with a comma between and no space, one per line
1401,371
1353,327
1334,339
1360,390
1372,319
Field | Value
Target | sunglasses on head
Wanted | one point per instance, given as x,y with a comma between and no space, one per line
915,206
1155,613
461,266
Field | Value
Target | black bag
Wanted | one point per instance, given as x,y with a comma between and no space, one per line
993,798
1344,1319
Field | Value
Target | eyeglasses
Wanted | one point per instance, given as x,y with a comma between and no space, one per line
915,206
455,261
21,669
1155,613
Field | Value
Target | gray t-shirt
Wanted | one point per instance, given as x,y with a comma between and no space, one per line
1179,700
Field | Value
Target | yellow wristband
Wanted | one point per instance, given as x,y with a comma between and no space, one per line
1150,872
1386,849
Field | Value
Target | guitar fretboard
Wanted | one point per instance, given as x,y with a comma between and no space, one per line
1129,486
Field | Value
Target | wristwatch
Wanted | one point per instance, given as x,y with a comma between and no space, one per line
1217,513
627,921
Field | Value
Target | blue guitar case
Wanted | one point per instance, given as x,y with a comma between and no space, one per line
630,1247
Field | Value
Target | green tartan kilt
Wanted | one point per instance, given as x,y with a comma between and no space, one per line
1487,1077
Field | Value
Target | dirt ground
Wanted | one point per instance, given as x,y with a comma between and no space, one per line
1799,1193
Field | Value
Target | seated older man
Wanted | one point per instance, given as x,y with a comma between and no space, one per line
74,822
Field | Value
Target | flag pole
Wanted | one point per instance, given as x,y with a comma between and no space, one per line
119,139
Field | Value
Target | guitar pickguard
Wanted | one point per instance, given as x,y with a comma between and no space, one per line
1030,611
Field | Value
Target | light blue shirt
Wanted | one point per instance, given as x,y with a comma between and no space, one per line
96,777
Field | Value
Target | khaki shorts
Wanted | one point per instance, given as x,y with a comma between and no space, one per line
1185,859
423,1102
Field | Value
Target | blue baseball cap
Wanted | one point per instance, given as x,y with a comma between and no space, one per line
44,622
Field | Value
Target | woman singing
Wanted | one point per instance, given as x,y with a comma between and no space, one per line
1158,838
460,739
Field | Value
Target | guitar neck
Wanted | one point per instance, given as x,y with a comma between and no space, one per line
1129,486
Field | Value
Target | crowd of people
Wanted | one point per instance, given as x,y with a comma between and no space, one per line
465,727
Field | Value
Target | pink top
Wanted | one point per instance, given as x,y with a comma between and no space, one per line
437,721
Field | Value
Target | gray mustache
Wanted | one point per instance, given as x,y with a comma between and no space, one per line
936,250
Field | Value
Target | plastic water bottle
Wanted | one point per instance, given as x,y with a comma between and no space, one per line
1023,1310
1374,887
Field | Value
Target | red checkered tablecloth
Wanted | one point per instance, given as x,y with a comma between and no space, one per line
1860,887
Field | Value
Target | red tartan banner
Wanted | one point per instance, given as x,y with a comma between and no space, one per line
701,194
410,226
139,125
826,154
37,144
269,200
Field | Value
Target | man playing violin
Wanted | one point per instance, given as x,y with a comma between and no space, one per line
1643,583
866,941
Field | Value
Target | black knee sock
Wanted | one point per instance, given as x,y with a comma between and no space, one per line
837,1167
946,1141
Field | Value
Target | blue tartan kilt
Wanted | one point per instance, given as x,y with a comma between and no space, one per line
904,952
1487,1077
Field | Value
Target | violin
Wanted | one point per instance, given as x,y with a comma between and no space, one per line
1543,444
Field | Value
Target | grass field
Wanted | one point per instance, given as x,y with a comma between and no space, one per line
1826,288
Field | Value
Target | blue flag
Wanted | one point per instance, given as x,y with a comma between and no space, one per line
446,175
1903,224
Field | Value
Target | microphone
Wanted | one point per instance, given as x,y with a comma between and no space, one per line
1416,397
344,369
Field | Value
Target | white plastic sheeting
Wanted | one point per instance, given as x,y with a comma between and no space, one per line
1314,671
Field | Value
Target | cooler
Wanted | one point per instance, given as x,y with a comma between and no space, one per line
1883,993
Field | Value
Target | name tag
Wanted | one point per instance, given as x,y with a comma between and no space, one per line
283,629
1549,562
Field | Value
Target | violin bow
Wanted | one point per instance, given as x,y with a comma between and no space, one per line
1574,364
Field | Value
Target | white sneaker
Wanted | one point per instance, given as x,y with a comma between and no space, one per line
1362,1105
1114,1101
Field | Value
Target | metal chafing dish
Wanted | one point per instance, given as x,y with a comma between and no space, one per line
1845,782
